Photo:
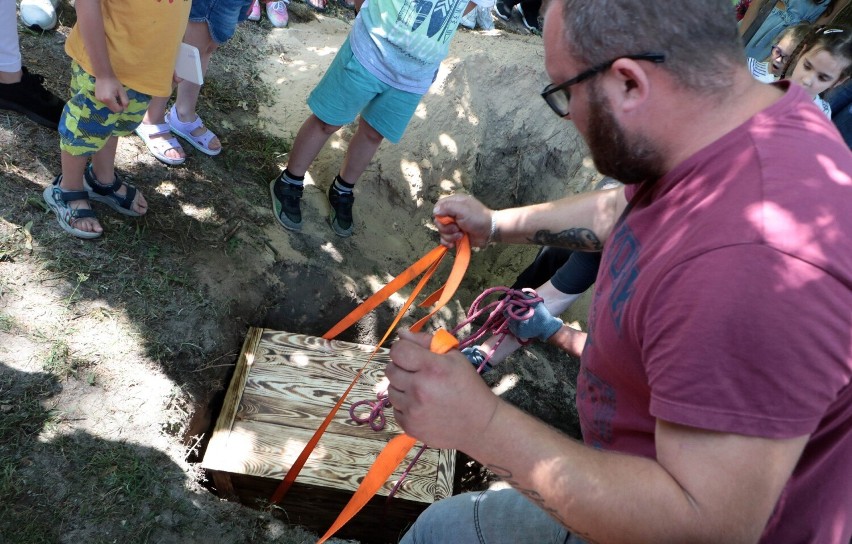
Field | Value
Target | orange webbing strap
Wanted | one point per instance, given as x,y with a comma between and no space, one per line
427,266
389,458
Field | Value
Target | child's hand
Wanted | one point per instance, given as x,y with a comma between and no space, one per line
110,91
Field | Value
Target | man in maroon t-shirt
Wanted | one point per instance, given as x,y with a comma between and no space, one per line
714,392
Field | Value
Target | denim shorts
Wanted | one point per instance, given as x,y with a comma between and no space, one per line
221,16
347,89
87,123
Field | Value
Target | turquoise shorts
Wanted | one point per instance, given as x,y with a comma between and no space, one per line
347,89
87,123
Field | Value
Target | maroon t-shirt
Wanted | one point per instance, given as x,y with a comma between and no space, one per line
724,302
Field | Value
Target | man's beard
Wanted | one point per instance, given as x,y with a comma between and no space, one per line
628,158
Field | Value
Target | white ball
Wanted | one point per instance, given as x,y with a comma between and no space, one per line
38,14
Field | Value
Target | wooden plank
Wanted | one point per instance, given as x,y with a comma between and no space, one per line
216,446
285,344
338,462
283,387
445,470
380,522
283,412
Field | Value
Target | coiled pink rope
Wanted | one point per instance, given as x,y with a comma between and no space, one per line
517,304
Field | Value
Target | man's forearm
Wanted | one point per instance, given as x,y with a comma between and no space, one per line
580,222
599,496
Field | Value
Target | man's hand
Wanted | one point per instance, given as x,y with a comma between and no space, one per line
469,216
438,399
110,91
541,325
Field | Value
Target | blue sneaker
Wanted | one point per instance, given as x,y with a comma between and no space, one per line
341,211
286,203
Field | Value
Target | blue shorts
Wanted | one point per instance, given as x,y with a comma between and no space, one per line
221,16
347,89
87,123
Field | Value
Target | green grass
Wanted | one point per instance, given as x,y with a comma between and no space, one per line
7,323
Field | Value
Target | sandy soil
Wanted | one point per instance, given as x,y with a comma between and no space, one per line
144,381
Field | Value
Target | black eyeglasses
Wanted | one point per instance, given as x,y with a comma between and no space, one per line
778,53
559,101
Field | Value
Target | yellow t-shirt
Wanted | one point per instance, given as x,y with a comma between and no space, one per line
143,37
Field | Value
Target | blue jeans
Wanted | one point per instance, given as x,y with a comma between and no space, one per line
489,517
840,100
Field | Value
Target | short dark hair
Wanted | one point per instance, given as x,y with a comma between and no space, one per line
698,37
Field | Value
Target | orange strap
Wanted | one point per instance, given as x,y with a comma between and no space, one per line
389,458
426,266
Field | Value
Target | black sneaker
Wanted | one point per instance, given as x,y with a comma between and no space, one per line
29,97
341,211
502,11
530,20
286,203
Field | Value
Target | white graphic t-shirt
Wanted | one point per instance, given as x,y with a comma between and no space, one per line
402,42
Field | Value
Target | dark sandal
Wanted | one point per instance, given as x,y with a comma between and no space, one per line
58,201
108,194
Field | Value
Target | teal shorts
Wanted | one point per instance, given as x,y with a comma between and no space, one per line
87,123
347,89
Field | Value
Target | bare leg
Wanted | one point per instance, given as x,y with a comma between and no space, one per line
72,180
11,77
554,300
156,115
310,139
103,166
361,150
197,34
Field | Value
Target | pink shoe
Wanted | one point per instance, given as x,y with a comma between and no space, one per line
277,13
254,11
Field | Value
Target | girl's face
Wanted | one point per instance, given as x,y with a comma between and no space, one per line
818,70
780,55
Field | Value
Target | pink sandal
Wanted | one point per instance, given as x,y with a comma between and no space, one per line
184,130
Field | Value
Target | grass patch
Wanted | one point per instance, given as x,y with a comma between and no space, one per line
255,152
7,323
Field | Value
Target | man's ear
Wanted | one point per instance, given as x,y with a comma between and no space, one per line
631,84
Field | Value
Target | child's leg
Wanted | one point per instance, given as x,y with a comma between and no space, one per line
73,167
197,34
159,142
103,167
361,150
309,141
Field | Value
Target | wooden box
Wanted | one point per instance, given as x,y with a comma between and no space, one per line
283,387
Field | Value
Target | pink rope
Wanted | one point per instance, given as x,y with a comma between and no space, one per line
517,304
376,417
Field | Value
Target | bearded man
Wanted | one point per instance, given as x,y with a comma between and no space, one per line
714,392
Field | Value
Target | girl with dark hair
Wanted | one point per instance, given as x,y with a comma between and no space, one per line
784,14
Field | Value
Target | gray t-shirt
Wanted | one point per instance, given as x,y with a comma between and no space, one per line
402,42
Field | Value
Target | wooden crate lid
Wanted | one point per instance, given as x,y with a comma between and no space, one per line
283,387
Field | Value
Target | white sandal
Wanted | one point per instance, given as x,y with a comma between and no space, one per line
184,130
157,144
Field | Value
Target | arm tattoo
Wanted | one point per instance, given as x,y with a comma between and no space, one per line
580,239
536,498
